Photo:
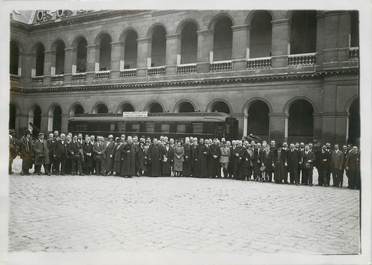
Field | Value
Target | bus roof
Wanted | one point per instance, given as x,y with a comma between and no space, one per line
164,116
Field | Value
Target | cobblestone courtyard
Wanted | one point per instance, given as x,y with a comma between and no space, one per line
91,213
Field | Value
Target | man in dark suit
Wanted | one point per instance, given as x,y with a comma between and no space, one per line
109,155
337,162
195,149
236,158
59,155
353,168
324,161
13,150
26,152
280,162
215,153
99,155
308,161
41,155
50,143
293,160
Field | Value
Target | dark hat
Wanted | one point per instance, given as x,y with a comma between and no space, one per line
41,134
27,131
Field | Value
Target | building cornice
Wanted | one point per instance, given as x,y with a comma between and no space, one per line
91,16
213,81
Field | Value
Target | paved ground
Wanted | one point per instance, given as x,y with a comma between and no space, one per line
90,213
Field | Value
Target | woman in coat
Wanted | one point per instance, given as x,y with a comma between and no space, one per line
178,159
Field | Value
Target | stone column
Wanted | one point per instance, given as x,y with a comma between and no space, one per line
64,122
116,48
334,126
317,123
280,42
143,55
172,48
245,124
343,37
68,64
44,122
319,38
48,59
329,39
171,54
278,126
26,66
239,46
91,60
205,45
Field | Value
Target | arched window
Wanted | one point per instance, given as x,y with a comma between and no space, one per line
100,109
158,46
130,50
14,57
81,55
220,106
155,108
354,29
12,116
40,56
104,52
60,57
260,35
300,120
189,43
186,107
126,107
258,119
222,39
354,123
303,32
76,110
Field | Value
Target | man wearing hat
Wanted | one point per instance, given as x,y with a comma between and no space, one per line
41,155
109,155
26,152
12,149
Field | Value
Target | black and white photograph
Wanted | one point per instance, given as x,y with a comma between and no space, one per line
190,131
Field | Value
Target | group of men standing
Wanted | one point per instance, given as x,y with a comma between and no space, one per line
131,156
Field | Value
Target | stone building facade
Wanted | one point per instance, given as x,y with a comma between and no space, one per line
283,74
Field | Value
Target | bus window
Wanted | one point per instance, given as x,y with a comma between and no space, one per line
135,127
173,128
157,127
112,127
142,127
197,128
181,128
165,128
150,127
121,126
209,128
80,127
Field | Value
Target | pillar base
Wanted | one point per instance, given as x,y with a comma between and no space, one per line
202,67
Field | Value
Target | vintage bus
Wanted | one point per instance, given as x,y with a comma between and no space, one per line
176,125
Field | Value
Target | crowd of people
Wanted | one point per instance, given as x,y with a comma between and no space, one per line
129,156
